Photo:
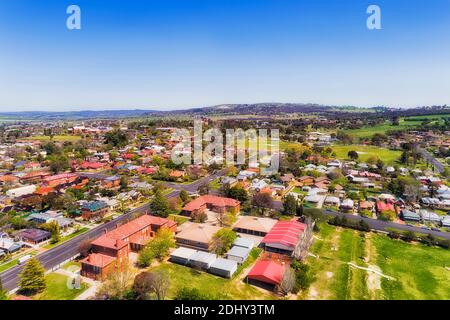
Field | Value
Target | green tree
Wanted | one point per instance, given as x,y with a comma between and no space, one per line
290,205
352,154
58,163
184,196
159,205
3,293
262,201
32,277
117,138
158,248
223,240
237,192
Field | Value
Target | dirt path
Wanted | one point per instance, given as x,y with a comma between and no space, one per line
318,289
375,269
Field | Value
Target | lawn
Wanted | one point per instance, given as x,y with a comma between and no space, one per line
64,239
7,265
179,219
57,288
235,288
55,138
365,152
72,264
215,184
420,271
406,271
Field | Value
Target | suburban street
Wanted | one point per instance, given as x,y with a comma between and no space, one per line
66,250
378,225
430,158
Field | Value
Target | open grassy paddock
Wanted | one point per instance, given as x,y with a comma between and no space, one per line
404,123
349,264
365,152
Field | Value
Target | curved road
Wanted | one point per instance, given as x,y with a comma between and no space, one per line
55,256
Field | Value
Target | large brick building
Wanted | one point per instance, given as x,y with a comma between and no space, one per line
112,249
213,203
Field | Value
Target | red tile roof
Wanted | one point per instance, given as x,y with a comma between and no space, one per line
92,165
384,206
209,199
44,190
61,176
115,238
267,271
98,260
286,233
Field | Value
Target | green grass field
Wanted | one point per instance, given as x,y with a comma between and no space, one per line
235,288
64,239
404,123
57,288
9,264
420,271
365,152
406,271
367,132
55,138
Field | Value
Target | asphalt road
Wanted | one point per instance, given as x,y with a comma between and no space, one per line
378,225
192,187
431,159
55,256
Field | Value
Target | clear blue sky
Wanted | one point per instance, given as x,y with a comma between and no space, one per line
168,54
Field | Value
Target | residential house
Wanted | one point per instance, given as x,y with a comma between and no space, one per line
33,236
213,203
94,210
254,225
196,236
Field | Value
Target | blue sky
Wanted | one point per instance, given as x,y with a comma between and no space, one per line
169,54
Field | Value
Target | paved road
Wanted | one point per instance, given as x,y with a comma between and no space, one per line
385,225
379,225
192,187
66,250
431,159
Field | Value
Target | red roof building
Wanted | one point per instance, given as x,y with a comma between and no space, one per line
43,191
284,237
59,179
266,273
213,203
118,243
385,206
88,165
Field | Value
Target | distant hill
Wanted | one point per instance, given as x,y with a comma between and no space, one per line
259,109
85,114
